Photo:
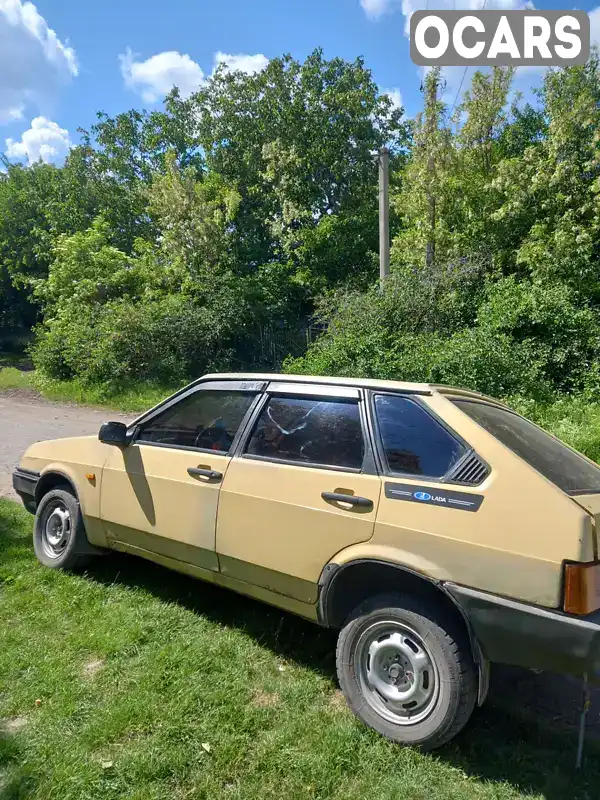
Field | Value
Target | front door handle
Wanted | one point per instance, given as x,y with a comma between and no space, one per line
353,500
211,474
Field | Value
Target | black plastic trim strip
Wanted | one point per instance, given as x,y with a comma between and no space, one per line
425,495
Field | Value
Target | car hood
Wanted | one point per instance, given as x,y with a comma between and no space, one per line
72,450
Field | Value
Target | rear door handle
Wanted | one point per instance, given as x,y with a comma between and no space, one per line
211,474
353,500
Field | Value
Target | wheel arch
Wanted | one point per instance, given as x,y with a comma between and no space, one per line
54,479
342,587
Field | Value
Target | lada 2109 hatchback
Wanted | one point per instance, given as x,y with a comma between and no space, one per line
436,529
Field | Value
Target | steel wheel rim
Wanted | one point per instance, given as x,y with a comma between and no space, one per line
398,676
57,530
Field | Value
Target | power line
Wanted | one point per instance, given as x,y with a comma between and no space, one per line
462,80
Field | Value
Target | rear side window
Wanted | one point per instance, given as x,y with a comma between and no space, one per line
564,467
414,443
207,420
309,431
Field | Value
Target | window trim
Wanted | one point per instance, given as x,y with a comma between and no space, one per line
211,386
368,466
380,449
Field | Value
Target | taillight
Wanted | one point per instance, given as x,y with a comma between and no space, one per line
582,588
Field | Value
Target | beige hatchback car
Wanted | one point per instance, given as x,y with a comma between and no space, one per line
435,528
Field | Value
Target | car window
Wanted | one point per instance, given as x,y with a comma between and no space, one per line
564,467
414,442
207,420
309,431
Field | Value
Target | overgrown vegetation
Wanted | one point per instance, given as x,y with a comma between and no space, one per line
169,242
134,682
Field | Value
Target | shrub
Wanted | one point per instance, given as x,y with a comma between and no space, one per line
165,340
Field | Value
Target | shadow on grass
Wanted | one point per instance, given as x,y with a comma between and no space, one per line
525,735
17,360
16,782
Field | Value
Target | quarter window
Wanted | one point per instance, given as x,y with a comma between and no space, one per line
207,420
309,431
414,443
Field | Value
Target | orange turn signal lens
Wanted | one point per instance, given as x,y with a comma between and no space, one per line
582,588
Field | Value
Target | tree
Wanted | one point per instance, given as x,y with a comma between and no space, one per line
298,142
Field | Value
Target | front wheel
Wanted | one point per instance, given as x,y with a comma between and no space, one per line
405,672
59,537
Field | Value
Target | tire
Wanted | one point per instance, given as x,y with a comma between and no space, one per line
407,671
59,537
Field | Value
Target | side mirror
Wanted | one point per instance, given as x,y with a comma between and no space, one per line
113,433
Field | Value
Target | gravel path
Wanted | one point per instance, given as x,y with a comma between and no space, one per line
26,418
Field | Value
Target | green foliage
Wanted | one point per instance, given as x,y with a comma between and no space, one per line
414,330
163,340
169,238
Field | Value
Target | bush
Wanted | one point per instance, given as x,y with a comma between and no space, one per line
449,326
166,340
564,334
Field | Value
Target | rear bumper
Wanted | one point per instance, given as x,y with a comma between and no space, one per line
24,483
515,633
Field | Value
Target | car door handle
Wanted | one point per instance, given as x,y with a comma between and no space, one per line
211,474
353,500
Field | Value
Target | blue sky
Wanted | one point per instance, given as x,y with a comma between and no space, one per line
63,60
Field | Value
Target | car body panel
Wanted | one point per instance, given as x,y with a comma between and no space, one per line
150,501
75,458
272,518
517,540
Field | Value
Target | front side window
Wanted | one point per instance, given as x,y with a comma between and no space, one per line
414,442
564,467
207,420
309,431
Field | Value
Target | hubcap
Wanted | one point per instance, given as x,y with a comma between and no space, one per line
396,672
57,531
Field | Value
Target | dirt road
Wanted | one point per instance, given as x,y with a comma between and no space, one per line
26,418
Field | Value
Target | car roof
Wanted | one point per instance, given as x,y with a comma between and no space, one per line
366,383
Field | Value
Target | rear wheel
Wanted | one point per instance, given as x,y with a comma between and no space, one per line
406,671
59,538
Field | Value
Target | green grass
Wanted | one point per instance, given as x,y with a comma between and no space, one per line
113,680
13,378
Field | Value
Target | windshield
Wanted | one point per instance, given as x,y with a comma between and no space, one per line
564,467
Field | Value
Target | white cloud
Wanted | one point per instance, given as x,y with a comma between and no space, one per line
245,63
395,97
155,77
375,9
34,63
44,139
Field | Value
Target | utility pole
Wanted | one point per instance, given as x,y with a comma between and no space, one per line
431,126
384,214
